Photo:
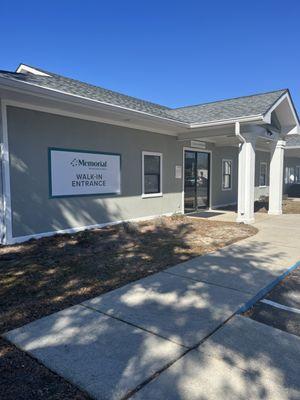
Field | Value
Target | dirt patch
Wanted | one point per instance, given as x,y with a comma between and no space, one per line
289,206
21,377
43,276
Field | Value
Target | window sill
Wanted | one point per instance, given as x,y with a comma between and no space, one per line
151,195
263,187
226,190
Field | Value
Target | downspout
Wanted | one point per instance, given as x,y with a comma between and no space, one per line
238,132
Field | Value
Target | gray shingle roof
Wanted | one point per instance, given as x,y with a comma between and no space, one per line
75,87
239,107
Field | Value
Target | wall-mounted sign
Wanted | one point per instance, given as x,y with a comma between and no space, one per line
199,145
81,173
178,172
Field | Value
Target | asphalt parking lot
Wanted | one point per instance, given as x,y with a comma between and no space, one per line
280,308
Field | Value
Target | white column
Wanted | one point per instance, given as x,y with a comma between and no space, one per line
276,177
246,176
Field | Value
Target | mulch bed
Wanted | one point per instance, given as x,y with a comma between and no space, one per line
43,276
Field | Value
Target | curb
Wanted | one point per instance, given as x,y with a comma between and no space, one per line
266,289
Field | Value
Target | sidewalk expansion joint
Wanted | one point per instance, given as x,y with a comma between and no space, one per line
207,282
157,373
134,325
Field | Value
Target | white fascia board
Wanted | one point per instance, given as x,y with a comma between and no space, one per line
294,131
37,89
251,118
26,68
285,96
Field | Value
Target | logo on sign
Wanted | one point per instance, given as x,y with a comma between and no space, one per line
77,162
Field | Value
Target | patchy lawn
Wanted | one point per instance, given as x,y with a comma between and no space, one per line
42,276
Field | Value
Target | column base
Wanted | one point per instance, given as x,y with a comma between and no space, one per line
275,212
244,220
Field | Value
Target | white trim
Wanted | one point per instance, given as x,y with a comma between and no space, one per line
231,174
266,174
20,239
7,213
288,174
250,118
183,174
297,178
280,306
160,155
292,147
267,116
24,67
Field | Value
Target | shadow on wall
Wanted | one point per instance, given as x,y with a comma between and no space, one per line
127,364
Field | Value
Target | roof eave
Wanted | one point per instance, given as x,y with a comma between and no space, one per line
27,87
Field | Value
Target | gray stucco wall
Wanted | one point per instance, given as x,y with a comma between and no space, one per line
259,191
223,197
31,133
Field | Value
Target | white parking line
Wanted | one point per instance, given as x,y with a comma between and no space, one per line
281,306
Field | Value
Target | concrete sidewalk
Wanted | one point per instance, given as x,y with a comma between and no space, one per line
114,344
243,360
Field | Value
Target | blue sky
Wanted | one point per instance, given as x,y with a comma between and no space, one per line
171,52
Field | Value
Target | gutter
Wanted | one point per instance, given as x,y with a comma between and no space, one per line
252,118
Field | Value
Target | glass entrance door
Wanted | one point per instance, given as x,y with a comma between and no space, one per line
196,180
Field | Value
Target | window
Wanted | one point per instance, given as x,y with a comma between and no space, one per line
289,175
152,174
298,174
226,174
263,174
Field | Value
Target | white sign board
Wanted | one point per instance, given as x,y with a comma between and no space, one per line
80,173
178,172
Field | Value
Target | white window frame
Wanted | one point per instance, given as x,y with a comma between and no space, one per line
266,177
231,170
286,175
147,195
292,172
297,174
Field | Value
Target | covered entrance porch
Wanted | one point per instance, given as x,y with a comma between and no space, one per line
248,136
